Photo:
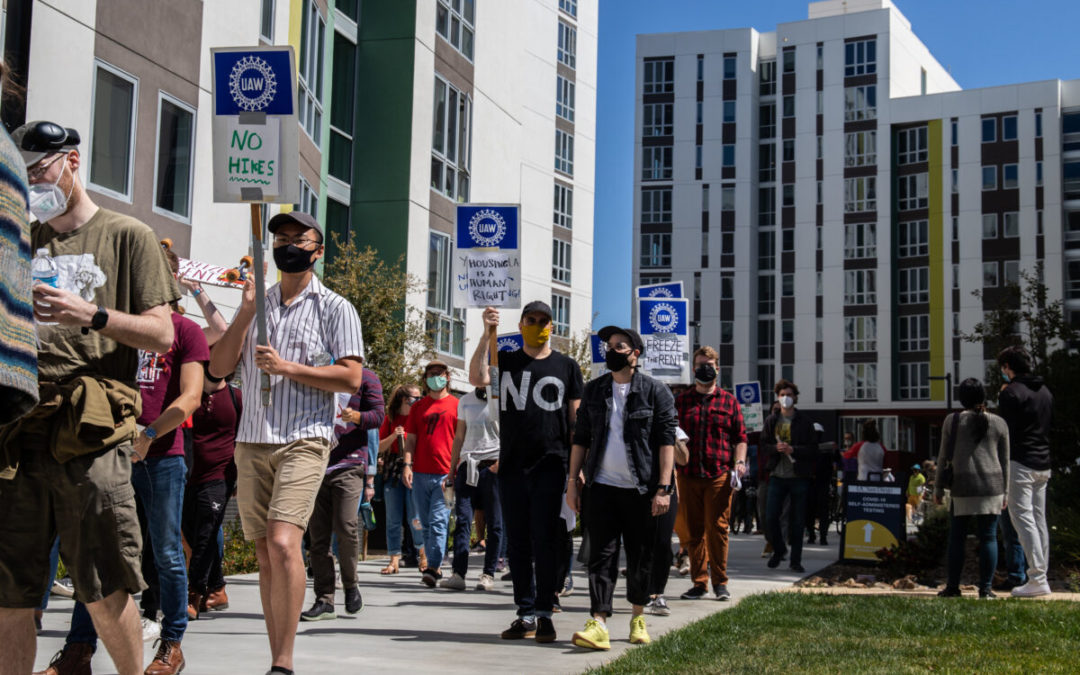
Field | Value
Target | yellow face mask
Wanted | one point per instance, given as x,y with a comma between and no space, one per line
535,336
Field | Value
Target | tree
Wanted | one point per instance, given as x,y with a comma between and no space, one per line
396,339
579,348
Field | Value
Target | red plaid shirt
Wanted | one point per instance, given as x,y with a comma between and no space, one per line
714,423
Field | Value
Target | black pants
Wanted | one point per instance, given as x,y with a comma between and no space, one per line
531,503
817,508
204,511
611,513
662,553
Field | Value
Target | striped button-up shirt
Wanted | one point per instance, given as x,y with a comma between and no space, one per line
319,328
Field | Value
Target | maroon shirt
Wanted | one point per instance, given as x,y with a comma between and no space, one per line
714,423
159,381
213,429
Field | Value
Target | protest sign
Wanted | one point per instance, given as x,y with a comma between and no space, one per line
511,342
749,396
598,349
668,289
487,256
663,326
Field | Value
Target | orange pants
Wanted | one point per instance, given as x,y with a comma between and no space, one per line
705,506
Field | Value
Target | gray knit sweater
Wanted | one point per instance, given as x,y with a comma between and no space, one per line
979,470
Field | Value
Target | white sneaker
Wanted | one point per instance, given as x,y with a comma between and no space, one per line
151,630
454,582
486,583
63,588
1031,589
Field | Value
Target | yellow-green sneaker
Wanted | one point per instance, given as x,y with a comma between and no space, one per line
595,636
638,634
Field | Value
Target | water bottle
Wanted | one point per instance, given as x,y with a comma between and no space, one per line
43,270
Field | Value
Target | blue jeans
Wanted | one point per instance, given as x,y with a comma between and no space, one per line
1015,562
434,514
54,561
485,494
779,490
986,532
400,512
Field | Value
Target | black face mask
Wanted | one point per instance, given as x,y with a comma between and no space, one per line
481,393
292,259
705,374
616,360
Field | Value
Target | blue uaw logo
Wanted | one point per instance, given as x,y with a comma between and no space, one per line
487,228
252,83
746,393
508,344
663,318
662,292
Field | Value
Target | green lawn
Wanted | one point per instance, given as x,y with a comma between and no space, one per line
795,632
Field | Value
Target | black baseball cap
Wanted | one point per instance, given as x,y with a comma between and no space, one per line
636,342
537,306
39,139
298,217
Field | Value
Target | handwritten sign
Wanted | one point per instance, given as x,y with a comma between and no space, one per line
749,396
487,256
663,324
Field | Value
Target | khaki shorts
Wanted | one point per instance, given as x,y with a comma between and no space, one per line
89,502
278,482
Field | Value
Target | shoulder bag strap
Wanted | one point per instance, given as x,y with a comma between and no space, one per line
236,407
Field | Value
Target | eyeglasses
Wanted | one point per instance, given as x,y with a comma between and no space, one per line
281,240
39,172
413,399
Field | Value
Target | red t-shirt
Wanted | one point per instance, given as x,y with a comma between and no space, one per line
214,434
433,422
159,381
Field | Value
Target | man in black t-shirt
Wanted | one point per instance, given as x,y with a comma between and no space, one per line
539,390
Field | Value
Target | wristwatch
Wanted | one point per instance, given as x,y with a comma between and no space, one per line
666,489
150,432
98,321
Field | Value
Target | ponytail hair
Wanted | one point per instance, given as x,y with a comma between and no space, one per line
972,396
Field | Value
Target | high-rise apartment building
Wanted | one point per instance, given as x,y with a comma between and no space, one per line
830,198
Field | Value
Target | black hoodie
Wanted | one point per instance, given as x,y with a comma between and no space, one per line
1027,406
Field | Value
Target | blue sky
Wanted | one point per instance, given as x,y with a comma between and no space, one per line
966,36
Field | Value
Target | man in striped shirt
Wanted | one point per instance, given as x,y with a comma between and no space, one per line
315,349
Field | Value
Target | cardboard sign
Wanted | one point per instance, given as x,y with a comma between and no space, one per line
511,342
255,133
668,289
875,519
598,349
487,256
663,326
749,396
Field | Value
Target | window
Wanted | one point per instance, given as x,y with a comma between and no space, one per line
818,237
989,129
990,274
658,119
954,132
659,76
727,287
860,148
1012,224
655,250
451,142
729,111
564,98
564,152
564,206
569,6
913,286
767,163
922,81
1038,125
914,333
454,21
955,180
766,299
446,324
956,228
820,55
1010,176
766,339
914,381
266,23
567,44
727,198
860,103
989,226
728,155
911,146
1011,270
860,194
727,332
860,334
1008,128
787,285
788,195
1072,287
788,150
989,178
647,279
704,198
655,205
767,250
820,154
342,108
767,121
700,70
913,239
860,287
560,310
860,241
787,330
789,60
1038,173
656,162
560,260
729,67
337,219
956,276
697,157
727,243
860,58
820,192
175,148
312,39
789,106
112,141
860,381
309,199
767,78
912,192
820,102
787,240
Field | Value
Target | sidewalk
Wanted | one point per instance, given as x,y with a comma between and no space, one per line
407,627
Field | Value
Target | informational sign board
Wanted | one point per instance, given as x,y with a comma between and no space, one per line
668,289
255,132
598,349
663,326
511,342
875,519
749,397
487,256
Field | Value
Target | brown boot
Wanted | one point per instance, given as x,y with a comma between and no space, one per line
194,602
73,659
215,600
169,660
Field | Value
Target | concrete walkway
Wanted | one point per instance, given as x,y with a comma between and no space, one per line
407,627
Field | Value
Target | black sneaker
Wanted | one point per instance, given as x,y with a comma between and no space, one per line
948,592
987,595
721,593
354,602
520,629
545,630
431,577
774,561
319,612
695,593
797,567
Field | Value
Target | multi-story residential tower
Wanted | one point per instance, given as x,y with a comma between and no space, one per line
832,198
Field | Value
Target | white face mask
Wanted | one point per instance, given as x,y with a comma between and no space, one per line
47,200
786,402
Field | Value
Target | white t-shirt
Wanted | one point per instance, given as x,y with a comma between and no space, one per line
871,459
481,432
614,467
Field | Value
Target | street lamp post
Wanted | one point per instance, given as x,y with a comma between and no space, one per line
948,388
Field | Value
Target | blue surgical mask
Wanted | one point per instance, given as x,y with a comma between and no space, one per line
437,382
1005,376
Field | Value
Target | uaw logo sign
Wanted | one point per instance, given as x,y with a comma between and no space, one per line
511,343
252,83
661,292
663,318
487,228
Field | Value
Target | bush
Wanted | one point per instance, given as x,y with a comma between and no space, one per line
239,555
923,552
1063,517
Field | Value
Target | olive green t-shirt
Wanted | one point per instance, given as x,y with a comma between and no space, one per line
115,261
785,467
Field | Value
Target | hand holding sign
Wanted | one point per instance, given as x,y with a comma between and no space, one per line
487,259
